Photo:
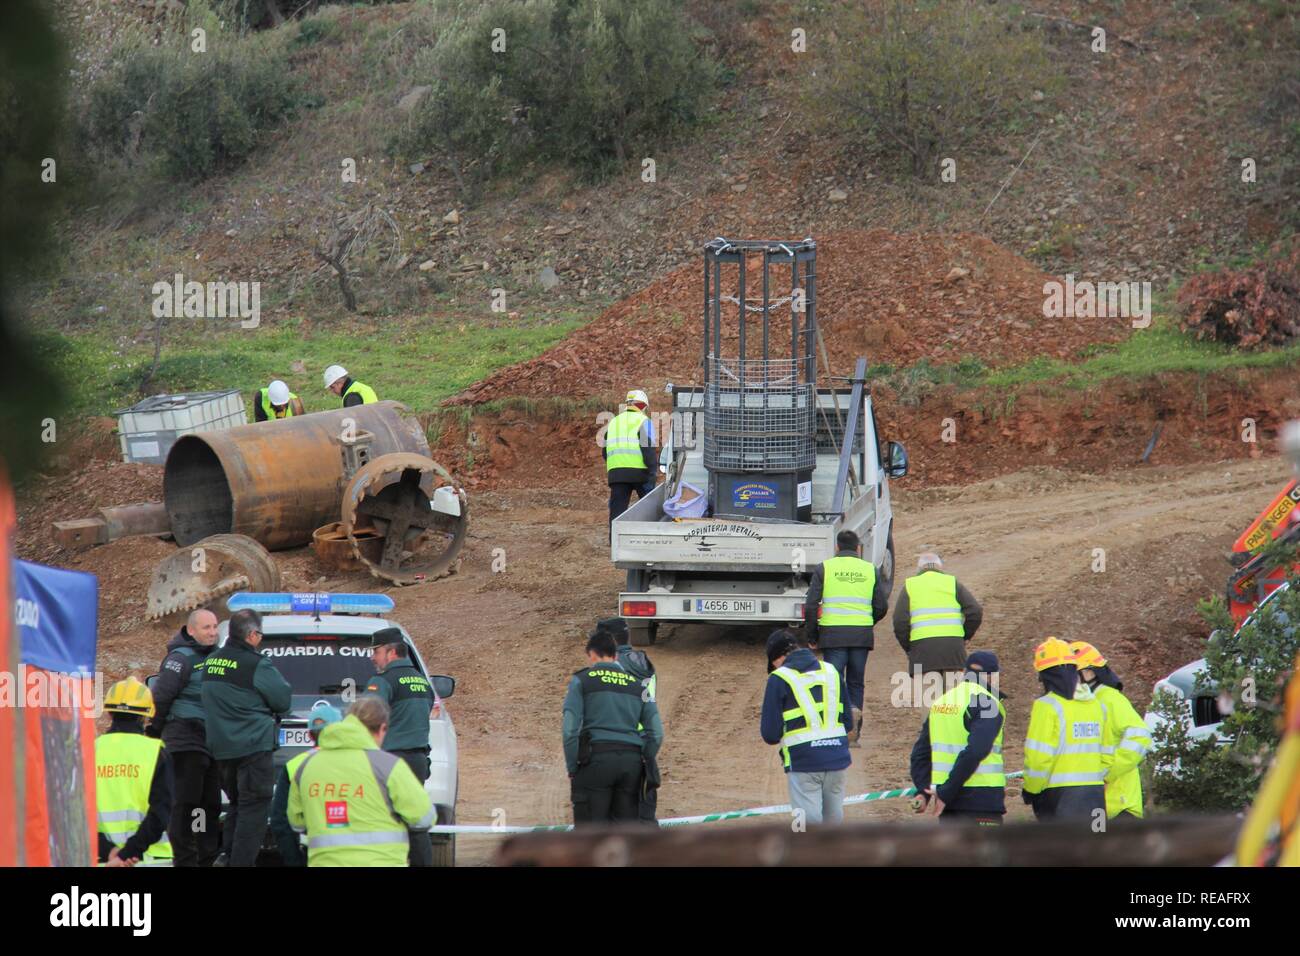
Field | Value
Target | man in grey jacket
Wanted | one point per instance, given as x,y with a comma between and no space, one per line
934,617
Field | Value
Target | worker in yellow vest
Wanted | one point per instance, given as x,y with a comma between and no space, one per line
845,599
1126,739
357,803
934,618
276,401
627,468
353,392
133,781
1065,770
957,759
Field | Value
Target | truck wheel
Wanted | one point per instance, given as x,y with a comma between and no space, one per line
887,566
642,634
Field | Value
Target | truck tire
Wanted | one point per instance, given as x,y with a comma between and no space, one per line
642,634
887,566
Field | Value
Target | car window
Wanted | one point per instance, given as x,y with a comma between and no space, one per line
320,664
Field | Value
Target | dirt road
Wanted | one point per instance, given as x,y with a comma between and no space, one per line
1023,543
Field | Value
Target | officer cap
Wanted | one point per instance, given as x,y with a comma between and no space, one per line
615,627
387,635
779,644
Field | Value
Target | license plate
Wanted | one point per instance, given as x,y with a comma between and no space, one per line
295,737
724,606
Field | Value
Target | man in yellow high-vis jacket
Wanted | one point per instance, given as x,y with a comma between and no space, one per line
357,803
935,617
1126,737
845,599
1064,766
957,758
133,781
628,438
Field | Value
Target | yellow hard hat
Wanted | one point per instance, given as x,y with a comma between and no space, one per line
1085,655
129,697
1051,653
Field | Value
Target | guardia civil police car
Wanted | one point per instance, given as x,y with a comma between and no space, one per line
321,644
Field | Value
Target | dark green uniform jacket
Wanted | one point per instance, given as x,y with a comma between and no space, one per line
409,697
606,703
242,694
178,695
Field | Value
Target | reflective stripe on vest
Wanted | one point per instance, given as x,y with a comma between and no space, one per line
821,721
269,410
933,609
847,585
1123,792
1077,749
949,736
367,393
623,441
124,769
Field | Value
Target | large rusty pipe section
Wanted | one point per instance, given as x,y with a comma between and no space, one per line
278,481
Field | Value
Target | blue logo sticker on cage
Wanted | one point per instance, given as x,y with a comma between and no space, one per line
753,494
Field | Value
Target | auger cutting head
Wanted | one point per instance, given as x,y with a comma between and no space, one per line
207,571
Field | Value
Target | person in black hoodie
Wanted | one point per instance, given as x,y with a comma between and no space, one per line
178,719
638,664
983,722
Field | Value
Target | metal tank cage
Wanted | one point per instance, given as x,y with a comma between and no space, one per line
760,403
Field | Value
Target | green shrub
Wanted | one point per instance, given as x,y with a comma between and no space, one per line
1252,667
923,80
195,114
583,82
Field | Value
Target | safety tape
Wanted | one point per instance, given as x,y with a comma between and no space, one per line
687,821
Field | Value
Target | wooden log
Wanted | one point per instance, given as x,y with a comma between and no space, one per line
1158,841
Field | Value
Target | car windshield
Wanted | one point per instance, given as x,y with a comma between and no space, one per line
320,663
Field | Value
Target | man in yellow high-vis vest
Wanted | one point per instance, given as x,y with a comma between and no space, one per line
275,402
957,759
357,803
845,599
1065,771
1126,736
803,711
349,389
628,438
934,617
133,781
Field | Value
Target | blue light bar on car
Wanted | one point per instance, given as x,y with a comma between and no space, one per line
309,603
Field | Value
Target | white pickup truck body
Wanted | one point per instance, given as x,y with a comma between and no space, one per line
729,570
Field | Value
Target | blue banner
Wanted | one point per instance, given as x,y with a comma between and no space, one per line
57,613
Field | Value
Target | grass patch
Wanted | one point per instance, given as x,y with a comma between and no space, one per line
419,364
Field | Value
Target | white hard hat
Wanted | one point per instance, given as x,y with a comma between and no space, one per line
635,396
334,373
278,392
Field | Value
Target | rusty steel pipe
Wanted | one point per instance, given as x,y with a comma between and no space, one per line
279,481
149,517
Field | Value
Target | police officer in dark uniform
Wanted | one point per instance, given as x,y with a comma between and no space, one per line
410,698
610,726
178,719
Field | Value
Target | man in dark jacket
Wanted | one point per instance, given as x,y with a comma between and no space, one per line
637,663
839,618
178,719
243,694
410,699
609,725
934,617
963,780
814,738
